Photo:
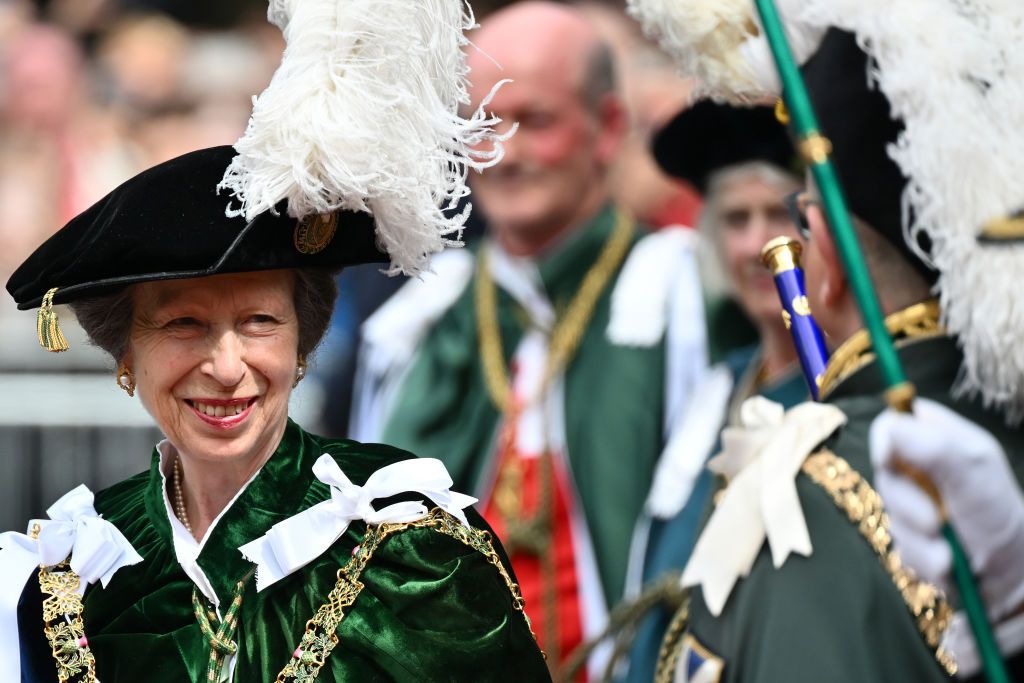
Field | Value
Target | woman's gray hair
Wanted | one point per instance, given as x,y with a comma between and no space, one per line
107,318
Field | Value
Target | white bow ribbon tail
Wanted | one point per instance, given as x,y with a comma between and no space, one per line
97,549
295,542
760,458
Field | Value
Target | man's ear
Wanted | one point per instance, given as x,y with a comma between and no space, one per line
833,284
614,122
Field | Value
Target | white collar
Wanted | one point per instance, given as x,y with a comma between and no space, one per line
186,548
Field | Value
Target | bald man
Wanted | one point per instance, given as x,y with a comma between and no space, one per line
545,366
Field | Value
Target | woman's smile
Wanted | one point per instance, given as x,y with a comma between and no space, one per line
222,413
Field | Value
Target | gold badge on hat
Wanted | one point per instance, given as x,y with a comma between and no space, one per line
314,233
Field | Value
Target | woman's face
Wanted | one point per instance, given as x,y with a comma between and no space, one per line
214,360
751,212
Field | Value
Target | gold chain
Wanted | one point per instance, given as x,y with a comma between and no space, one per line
863,506
568,332
919,321
321,636
63,625
532,533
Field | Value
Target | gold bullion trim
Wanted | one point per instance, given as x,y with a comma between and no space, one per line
863,506
920,321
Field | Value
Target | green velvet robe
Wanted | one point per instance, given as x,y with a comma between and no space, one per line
614,407
432,608
837,616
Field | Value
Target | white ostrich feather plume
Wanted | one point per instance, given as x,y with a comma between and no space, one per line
362,114
722,44
954,73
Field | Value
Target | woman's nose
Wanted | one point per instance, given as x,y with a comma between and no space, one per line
759,231
226,364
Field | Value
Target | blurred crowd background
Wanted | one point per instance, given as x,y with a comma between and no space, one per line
94,91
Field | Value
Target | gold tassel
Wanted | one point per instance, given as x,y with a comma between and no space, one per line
51,337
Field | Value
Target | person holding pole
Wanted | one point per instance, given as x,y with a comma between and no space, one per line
820,559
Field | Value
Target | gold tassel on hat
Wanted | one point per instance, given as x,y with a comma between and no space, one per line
51,337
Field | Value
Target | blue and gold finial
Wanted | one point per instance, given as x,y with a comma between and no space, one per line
782,257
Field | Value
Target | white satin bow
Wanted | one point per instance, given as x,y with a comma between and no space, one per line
97,549
300,539
761,459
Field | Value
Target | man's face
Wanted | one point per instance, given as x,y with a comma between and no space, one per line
553,163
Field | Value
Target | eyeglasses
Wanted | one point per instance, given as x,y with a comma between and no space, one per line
796,204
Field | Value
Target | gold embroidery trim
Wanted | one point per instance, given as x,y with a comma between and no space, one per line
321,637
863,506
63,625
916,322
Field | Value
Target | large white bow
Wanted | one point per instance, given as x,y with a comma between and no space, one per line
760,458
97,549
300,539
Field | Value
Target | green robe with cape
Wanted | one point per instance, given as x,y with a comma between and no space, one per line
432,608
837,616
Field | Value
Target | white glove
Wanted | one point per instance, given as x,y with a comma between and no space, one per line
982,498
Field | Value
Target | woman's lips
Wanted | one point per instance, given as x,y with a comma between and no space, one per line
220,413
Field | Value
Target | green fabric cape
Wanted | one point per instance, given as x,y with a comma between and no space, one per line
614,403
432,608
837,616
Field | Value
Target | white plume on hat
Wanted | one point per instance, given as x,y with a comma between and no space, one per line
953,72
722,44
362,114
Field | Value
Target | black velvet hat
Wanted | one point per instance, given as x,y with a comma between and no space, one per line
169,222
857,119
708,137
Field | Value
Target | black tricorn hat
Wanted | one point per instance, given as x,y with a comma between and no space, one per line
857,119
169,222
709,136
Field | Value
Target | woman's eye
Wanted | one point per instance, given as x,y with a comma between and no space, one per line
262,319
183,322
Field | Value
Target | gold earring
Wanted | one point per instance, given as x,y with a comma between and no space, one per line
126,380
300,372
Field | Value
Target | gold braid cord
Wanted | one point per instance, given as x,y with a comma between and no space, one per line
671,645
863,506
321,637
63,626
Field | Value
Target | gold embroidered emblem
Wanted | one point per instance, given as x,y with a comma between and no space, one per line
314,233
801,306
63,625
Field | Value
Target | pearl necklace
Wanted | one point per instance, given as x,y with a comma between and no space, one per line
179,497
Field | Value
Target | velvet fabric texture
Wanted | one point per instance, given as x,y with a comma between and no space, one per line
707,137
169,222
432,608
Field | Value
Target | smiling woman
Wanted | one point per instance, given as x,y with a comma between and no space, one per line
252,550
213,354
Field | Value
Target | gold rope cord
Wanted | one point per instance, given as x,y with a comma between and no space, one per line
671,645
320,636
863,506
63,625
532,533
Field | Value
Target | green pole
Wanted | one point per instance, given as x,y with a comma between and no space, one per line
899,393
